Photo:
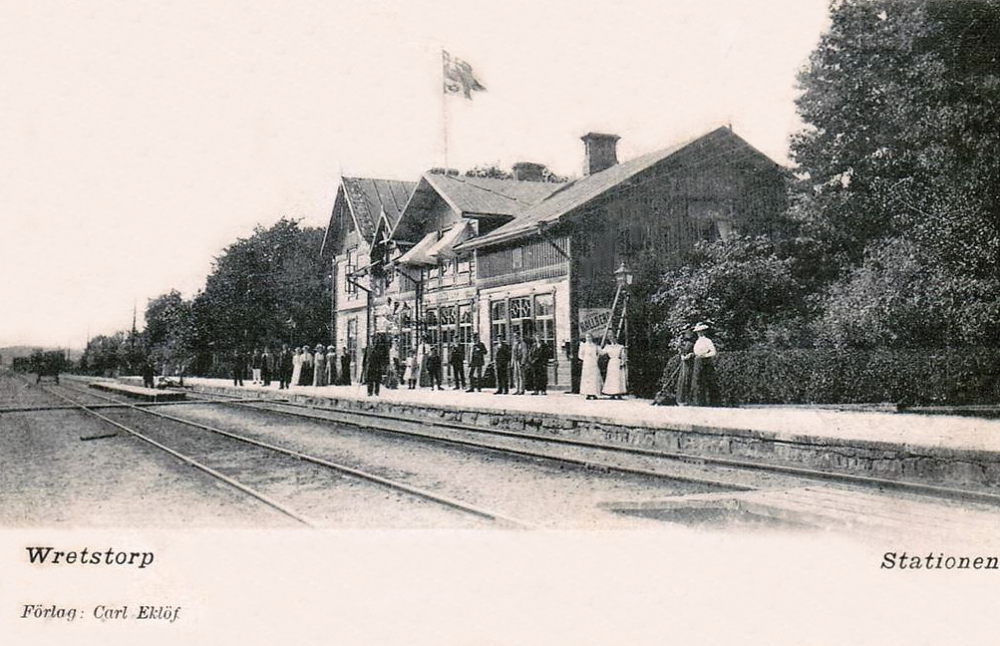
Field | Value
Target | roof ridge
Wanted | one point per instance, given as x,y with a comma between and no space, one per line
464,180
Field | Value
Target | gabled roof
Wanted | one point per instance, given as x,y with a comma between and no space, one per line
365,198
488,196
716,144
472,197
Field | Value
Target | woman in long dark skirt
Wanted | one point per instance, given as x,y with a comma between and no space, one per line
686,353
703,386
306,376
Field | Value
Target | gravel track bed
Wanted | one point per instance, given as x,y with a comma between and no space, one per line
322,495
535,490
50,477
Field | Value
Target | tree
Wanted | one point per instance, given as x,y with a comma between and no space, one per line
899,163
898,298
902,106
492,171
742,286
260,283
170,334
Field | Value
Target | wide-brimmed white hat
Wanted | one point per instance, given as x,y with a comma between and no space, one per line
701,327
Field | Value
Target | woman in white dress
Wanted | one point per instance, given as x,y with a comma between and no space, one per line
590,374
614,383
296,366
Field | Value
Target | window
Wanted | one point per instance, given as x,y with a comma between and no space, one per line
351,266
532,316
517,257
465,327
406,331
464,264
520,317
432,331
545,319
498,321
448,316
352,340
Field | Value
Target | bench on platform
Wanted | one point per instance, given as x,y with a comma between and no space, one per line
138,392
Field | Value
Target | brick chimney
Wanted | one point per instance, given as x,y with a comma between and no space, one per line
599,152
529,172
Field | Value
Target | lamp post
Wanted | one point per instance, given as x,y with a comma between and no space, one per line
623,279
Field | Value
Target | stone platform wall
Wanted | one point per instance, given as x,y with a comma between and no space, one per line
977,470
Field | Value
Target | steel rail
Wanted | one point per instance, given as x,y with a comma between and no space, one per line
31,409
284,509
357,473
928,490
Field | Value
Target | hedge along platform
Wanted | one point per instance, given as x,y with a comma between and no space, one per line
137,392
935,450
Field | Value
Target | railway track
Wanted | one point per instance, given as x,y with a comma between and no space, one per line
265,448
470,437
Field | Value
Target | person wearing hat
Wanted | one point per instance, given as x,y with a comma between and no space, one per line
703,387
285,363
590,373
685,352
615,380
306,373
319,366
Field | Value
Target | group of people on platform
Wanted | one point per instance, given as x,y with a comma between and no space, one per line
522,366
616,375
517,368
696,384
293,367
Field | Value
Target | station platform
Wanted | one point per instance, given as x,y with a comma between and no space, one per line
930,449
137,392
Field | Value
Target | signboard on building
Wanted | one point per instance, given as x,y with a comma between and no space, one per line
594,320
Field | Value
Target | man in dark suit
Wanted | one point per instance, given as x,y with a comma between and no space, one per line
434,368
345,367
373,363
284,363
501,362
267,365
456,358
239,366
476,362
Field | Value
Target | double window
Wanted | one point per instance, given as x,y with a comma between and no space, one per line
524,316
350,267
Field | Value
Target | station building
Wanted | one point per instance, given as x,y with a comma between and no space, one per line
500,257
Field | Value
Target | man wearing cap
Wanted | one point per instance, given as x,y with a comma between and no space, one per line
703,386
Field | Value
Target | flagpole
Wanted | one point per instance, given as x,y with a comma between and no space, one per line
444,112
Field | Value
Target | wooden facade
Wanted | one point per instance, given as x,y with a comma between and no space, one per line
541,258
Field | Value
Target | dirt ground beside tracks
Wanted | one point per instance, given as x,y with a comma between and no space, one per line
50,477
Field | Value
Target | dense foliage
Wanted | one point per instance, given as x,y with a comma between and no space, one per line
797,376
268,289
901,159
742,286
892,238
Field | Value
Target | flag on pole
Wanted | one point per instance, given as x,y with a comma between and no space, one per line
458,76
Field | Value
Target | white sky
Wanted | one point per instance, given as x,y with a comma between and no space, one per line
137,139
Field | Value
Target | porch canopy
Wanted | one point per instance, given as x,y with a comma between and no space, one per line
445,247
418,255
